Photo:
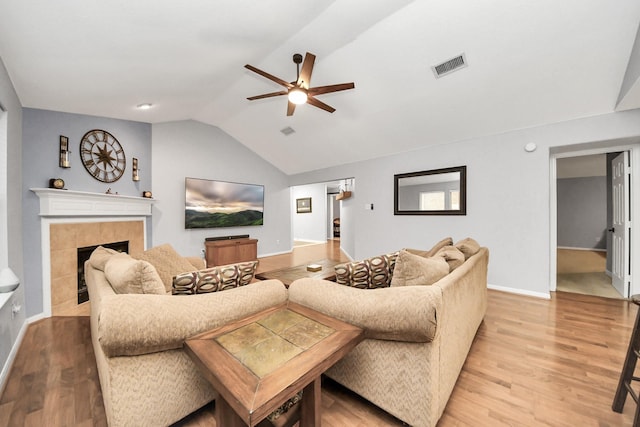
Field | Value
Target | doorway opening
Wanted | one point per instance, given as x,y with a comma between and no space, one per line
592,232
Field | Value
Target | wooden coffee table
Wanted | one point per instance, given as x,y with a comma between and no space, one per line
258,363
289,274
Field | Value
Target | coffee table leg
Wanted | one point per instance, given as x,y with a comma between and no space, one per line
226,416
310,405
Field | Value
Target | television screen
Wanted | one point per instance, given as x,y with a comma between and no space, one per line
212,204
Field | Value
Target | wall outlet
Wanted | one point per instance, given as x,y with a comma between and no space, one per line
15,309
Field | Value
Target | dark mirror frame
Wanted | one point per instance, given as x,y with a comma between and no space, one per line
463,192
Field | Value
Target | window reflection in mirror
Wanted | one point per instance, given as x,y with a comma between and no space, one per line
432,192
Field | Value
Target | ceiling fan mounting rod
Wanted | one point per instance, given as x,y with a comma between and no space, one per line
297,59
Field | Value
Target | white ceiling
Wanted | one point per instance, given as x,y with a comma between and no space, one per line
530,63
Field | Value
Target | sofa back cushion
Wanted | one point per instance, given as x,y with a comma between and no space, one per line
447,241
452,255
371,273
130,276
214,279
167,262
412,270
468,247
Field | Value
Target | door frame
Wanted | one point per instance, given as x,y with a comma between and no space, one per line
634,245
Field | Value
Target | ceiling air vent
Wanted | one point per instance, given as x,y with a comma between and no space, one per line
287,131
449,66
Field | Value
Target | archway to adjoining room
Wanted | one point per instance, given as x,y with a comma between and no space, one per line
321,213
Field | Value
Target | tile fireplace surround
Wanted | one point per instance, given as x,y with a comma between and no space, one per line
75,219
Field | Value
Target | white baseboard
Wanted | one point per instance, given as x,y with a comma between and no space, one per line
582,249
275,253
520,291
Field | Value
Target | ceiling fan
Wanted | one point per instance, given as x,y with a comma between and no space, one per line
299,92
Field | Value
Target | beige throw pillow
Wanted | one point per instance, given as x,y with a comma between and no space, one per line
411,270
452,255
167,261
130,276
468,247
100,256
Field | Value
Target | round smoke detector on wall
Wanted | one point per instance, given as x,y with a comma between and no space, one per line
530,147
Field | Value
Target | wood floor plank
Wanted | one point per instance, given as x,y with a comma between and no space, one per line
534,362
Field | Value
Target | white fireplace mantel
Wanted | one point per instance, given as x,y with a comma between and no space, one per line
66,203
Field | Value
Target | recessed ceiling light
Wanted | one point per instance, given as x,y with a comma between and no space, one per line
144,106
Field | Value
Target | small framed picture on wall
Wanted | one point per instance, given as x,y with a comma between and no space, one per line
303,205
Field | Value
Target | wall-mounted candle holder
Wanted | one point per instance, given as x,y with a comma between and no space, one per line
64,152
135,175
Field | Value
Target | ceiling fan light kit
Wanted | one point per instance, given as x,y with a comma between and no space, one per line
299,92
298,96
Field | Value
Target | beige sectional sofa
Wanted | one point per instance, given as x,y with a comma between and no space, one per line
145,376
417,337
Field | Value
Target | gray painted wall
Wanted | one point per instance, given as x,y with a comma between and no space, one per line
193,149
582,212
40,148
310,226
508,194
12,178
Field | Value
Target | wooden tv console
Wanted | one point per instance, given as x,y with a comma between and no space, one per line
229,251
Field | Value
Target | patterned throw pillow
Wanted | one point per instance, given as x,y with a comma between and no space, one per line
375,272
214,279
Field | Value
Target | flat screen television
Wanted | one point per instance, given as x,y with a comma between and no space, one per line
213,204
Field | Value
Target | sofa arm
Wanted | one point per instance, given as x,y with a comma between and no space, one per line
407,313
134,324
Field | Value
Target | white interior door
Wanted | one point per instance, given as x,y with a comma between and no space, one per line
621,221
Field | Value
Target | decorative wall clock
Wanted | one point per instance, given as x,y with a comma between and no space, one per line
102,155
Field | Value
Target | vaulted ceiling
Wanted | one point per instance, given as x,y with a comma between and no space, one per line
529,63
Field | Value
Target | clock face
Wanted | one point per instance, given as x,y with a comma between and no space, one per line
102,155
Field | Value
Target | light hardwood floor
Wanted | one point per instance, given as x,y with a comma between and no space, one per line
534,362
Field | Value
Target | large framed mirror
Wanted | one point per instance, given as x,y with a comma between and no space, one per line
431,192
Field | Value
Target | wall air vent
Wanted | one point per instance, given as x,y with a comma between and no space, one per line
287,131
449,66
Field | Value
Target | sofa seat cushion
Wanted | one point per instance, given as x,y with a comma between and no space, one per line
139,324
214,279
411,270
167,262
404,313
370,273
130,276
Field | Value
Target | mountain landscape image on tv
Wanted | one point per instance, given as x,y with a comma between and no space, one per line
212,204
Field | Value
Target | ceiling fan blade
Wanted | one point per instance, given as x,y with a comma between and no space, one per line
304,80
291,107
267,95
331,88
311,100
269,76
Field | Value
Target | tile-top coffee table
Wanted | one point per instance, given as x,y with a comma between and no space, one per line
289,274
258,363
